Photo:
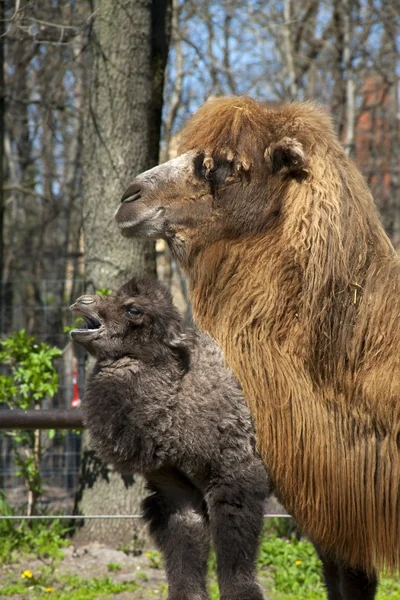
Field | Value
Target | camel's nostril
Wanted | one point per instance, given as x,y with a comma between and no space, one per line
133,193
86,300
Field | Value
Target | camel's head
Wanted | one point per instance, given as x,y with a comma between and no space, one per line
237,156
140,321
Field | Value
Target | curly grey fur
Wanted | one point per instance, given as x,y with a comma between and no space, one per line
161,402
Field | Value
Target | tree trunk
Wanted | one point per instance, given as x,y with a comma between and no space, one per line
103,491
349,140
121,133
2,138
120,139
2,168
288,46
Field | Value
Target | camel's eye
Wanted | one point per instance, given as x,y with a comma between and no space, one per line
199,168
132,311
221,171
216,170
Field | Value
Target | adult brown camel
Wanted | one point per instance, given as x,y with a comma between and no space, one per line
292,273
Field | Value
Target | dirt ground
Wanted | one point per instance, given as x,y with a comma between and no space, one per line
92,561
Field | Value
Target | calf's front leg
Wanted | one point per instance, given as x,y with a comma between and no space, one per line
235,508
178,522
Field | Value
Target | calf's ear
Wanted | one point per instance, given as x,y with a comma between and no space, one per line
287,156
177,340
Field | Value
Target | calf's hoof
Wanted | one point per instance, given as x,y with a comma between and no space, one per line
188,596
245,592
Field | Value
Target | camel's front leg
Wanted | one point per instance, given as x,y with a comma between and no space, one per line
235,508
176,513
344,583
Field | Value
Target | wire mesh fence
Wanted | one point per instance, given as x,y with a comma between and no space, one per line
59,472
42,310
60,459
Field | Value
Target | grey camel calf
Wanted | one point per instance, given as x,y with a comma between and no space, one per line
161,402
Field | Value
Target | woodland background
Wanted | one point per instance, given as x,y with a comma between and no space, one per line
94,92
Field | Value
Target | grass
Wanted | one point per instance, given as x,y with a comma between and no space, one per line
40,538
292,565
155,559
113,567
389,588
67,587
288,568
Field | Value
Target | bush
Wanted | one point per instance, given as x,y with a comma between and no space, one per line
30,378
294,565
43,539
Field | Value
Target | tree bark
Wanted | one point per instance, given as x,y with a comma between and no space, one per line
2,169
121,136
287,42
349,140
2,138
121,133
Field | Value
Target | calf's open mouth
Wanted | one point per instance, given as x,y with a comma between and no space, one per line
93,323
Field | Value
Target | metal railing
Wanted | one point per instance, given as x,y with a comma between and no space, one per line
41,419
60,419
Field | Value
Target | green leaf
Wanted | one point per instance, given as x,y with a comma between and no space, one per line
103,291
30,378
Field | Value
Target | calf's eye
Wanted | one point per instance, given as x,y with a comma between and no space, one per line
132,311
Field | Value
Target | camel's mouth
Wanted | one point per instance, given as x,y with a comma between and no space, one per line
92,320
140,221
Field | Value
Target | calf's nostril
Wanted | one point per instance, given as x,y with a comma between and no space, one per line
133,193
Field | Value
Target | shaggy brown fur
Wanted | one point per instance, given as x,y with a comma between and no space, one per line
291,272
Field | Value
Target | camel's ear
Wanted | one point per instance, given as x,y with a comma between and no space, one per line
177,340
288,156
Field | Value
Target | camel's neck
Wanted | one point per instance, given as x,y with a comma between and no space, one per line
247,278
250,287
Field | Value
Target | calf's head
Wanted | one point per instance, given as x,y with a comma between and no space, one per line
139,321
